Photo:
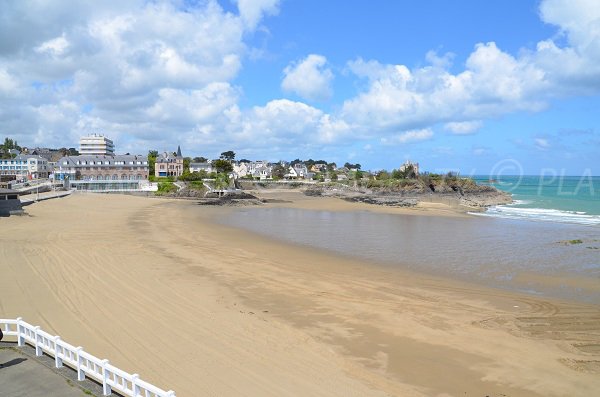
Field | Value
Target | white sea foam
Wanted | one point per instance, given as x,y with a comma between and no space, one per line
520,202
541,214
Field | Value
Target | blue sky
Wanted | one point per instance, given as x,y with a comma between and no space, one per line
462,85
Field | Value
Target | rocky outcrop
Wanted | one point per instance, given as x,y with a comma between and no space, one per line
238,199
466,194
388,201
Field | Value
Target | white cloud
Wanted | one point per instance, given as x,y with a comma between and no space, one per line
492,83
7,84
54,47
252,11
149,72
463,127
308,78
542,143
408,137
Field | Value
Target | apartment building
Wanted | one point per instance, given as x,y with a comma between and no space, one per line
103,172
25,167
95,144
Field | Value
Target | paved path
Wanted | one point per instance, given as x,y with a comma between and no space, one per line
30,198
24,375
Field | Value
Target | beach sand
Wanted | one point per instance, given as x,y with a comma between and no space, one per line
161,290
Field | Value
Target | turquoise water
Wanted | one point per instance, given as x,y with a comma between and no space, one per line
565,199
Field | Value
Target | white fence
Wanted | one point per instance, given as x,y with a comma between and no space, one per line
111,378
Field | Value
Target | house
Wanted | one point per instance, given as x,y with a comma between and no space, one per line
320,167
103,172
241,169
43,152
169,164
197,167
253,165
262,172
25,167
10,203
298,171
407,164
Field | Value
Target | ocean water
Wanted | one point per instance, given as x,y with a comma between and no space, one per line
553,198
516,254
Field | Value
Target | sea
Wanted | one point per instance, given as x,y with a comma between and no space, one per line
552,198
547,243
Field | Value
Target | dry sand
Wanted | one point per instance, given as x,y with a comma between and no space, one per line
203,309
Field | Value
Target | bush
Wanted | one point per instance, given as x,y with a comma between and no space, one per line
165,188
194,176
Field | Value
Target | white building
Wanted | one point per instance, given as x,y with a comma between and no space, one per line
95,144
409,164
298,171
197,167
25,167
241,169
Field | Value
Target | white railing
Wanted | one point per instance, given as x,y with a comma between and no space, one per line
111,378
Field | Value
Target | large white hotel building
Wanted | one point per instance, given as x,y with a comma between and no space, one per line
95,144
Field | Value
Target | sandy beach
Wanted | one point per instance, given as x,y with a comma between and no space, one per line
160,289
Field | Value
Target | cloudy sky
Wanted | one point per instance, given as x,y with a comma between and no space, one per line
465,85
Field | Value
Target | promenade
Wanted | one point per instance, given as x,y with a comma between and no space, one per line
22,374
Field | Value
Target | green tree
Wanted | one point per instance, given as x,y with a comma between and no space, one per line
200,159
8,145
228,155
152,155
382,175
278,171
222,166
221,182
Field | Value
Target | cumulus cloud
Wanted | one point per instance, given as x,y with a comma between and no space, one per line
55,47
252,11
463,127
151,72
309,78
492,82
408,137
135,68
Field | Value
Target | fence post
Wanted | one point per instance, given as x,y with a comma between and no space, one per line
170,393
38,348
57,360
20,339
80,373
105,386
134,387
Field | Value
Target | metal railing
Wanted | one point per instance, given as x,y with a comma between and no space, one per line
110,377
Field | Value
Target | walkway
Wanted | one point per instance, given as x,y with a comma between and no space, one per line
24,375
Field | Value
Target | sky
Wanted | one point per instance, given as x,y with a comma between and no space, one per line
479,87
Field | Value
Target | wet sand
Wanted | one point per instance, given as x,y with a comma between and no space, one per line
204,309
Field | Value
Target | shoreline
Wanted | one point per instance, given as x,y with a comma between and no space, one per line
257,313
